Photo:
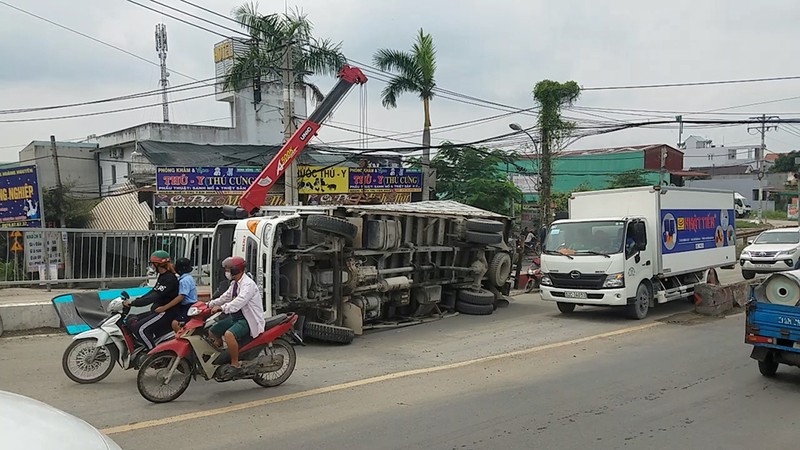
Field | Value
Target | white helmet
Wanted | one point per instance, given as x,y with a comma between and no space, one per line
115,305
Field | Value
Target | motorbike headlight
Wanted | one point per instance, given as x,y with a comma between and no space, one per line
614,280
530,271
193,311
546,280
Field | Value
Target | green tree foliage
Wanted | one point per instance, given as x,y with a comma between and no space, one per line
630,178
267,53
785,162
551,97
560,200
77,211
472,176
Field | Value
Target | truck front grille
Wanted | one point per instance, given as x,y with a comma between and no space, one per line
582,281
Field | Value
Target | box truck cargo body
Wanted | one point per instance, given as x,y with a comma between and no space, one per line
636,247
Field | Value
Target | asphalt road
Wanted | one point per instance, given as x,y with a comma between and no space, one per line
525,377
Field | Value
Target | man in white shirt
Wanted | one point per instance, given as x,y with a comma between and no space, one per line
242,303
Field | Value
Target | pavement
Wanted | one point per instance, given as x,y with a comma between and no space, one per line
524,377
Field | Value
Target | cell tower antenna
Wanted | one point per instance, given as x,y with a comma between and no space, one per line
161,48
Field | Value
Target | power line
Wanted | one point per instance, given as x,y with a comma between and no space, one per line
696,83
198,18
212,12
178,19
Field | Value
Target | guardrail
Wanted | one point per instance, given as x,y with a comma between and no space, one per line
95,258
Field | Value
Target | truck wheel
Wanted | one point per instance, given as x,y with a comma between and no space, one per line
500,269
566,308
768,368
478,237
639,308
747,275
485,225
328,333
333,225
474,310
481,298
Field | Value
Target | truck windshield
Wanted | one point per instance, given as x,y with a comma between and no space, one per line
779,237
588,238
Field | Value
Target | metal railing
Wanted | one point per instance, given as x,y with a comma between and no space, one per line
94,258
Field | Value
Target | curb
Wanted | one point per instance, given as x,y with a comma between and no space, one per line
28,316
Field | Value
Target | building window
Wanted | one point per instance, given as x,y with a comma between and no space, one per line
710,157
732,153
763,195
113,174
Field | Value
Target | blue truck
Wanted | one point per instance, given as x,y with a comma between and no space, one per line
773,330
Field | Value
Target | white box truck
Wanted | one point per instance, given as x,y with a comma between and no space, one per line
636,247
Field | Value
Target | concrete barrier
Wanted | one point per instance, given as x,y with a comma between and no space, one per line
27,316
712,300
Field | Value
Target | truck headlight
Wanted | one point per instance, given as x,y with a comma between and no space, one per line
614,280
546,280
745,254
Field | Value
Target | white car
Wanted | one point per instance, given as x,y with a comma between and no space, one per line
772,251
29,424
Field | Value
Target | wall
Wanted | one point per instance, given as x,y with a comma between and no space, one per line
743,184
719,156
673,161
76,162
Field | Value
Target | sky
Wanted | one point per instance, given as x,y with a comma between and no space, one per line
493,51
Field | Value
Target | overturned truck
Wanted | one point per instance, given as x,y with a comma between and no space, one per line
344,269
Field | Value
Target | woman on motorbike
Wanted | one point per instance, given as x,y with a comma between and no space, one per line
157,322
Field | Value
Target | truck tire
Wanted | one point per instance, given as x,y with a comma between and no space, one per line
639,308
328,333
480,298
474,310
768,367
332,225
478,237
747,275
485,225
566,308
500,269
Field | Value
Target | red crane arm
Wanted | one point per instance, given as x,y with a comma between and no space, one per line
253,197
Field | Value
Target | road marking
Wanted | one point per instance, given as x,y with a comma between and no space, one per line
366,381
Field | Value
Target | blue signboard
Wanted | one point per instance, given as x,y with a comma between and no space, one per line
385,179
205,179
686,230
20,205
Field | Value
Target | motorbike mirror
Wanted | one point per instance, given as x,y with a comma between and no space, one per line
125,295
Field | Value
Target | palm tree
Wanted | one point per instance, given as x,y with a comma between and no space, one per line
416,72
266,56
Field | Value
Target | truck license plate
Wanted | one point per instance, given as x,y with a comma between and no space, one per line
762,266
569,294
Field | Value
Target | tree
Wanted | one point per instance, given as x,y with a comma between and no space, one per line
271,36
77,211
472,176
551,97
416,73
560,200
630,178
785,162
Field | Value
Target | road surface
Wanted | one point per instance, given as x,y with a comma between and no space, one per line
525,377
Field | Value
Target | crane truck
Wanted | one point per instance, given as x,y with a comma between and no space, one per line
345,269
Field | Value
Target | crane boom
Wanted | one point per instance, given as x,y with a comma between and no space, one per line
253,197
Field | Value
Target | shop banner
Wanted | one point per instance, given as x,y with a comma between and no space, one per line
200,200
686,230
375,198
20,205
205,179
322,180
385,179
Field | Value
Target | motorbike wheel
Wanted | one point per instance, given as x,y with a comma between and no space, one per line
529,286
78,366
272,379
152,374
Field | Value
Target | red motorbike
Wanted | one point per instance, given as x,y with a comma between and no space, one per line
534,275
269,359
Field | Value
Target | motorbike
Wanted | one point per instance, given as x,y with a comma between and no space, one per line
93,353
268,359
534,275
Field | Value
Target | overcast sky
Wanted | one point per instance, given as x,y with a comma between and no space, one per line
491,50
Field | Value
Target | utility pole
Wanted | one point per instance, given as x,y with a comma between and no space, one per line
290,175
59,186
62,243
760,157
797,180
161,48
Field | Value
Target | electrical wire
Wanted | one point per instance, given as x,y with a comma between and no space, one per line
696,83
199,18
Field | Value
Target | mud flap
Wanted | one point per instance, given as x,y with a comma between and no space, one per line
353,318
760,353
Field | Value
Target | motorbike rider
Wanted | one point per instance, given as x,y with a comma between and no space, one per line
187,293
242,303
157,322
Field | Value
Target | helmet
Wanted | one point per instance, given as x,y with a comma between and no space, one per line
159,257
235,264
183,265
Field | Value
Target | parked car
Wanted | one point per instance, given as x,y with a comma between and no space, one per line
33,425
772,251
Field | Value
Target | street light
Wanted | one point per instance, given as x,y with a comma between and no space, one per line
518,127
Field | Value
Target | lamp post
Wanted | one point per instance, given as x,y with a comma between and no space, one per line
518,127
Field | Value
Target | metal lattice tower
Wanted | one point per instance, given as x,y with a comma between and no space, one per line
161,48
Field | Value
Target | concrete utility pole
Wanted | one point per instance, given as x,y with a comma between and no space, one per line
59,186
762,130
161,48
290,175
796,172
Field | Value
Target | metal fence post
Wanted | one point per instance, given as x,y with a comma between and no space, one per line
103,282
